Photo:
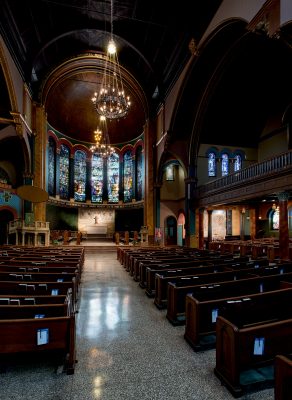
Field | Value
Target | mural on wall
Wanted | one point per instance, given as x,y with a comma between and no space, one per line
96,221
218,224
10,199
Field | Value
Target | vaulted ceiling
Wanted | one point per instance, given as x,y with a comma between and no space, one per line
152,39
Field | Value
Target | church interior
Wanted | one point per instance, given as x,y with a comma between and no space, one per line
135,135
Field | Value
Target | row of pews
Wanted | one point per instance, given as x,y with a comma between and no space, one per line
229,302
39,289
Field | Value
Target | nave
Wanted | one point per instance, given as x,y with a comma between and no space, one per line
126,349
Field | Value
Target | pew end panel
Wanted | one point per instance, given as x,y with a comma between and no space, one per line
283,377
245,357
24,336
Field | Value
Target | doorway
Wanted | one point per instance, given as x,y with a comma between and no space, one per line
171,231
5,217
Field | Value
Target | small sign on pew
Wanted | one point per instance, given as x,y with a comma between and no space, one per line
42,336
39,316
214,315
55,292
259,346
60,280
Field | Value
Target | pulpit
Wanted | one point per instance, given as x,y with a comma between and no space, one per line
34,233
144,235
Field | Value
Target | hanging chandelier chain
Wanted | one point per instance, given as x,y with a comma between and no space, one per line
112,28
111,100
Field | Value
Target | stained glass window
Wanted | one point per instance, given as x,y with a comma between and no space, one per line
97,179
211,164
79,175
225,164
237,162
128,176
169,173
64,172
139,174
51,167
275,219
113,178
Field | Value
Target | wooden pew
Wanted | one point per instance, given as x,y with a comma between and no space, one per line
283,377
201,312
245,355
39,335
38,288
176,295
180,271
162,278
162,281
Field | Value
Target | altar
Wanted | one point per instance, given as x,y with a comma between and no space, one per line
96,229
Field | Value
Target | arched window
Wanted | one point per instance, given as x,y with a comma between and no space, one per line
128,176
97,178
169,172
139,174
79,175
211,164
225,164
64,172
113,177
276,219
52,167
237,163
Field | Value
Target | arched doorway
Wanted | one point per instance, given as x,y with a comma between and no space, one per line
5,217
181,229
171,231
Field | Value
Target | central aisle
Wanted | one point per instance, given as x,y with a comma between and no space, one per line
126,347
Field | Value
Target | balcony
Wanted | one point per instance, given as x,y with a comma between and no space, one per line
268,177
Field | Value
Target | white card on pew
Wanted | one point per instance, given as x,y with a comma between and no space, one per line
214,315
259,346
42,336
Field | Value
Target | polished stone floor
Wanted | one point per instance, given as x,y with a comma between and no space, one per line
126,349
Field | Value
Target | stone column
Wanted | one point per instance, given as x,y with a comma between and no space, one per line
149,166
209,226
40,147
242,224
283,226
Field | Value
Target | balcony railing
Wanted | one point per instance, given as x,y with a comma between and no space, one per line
268,169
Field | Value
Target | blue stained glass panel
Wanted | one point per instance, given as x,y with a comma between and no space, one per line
51,167
64,172
237,163
225,164
139,174
113,178
97,179
211,164
128,177
79,175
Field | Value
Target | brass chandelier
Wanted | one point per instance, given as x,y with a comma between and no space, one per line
102,145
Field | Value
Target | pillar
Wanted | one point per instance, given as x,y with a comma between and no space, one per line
201,227
242,224
39,161
209,226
